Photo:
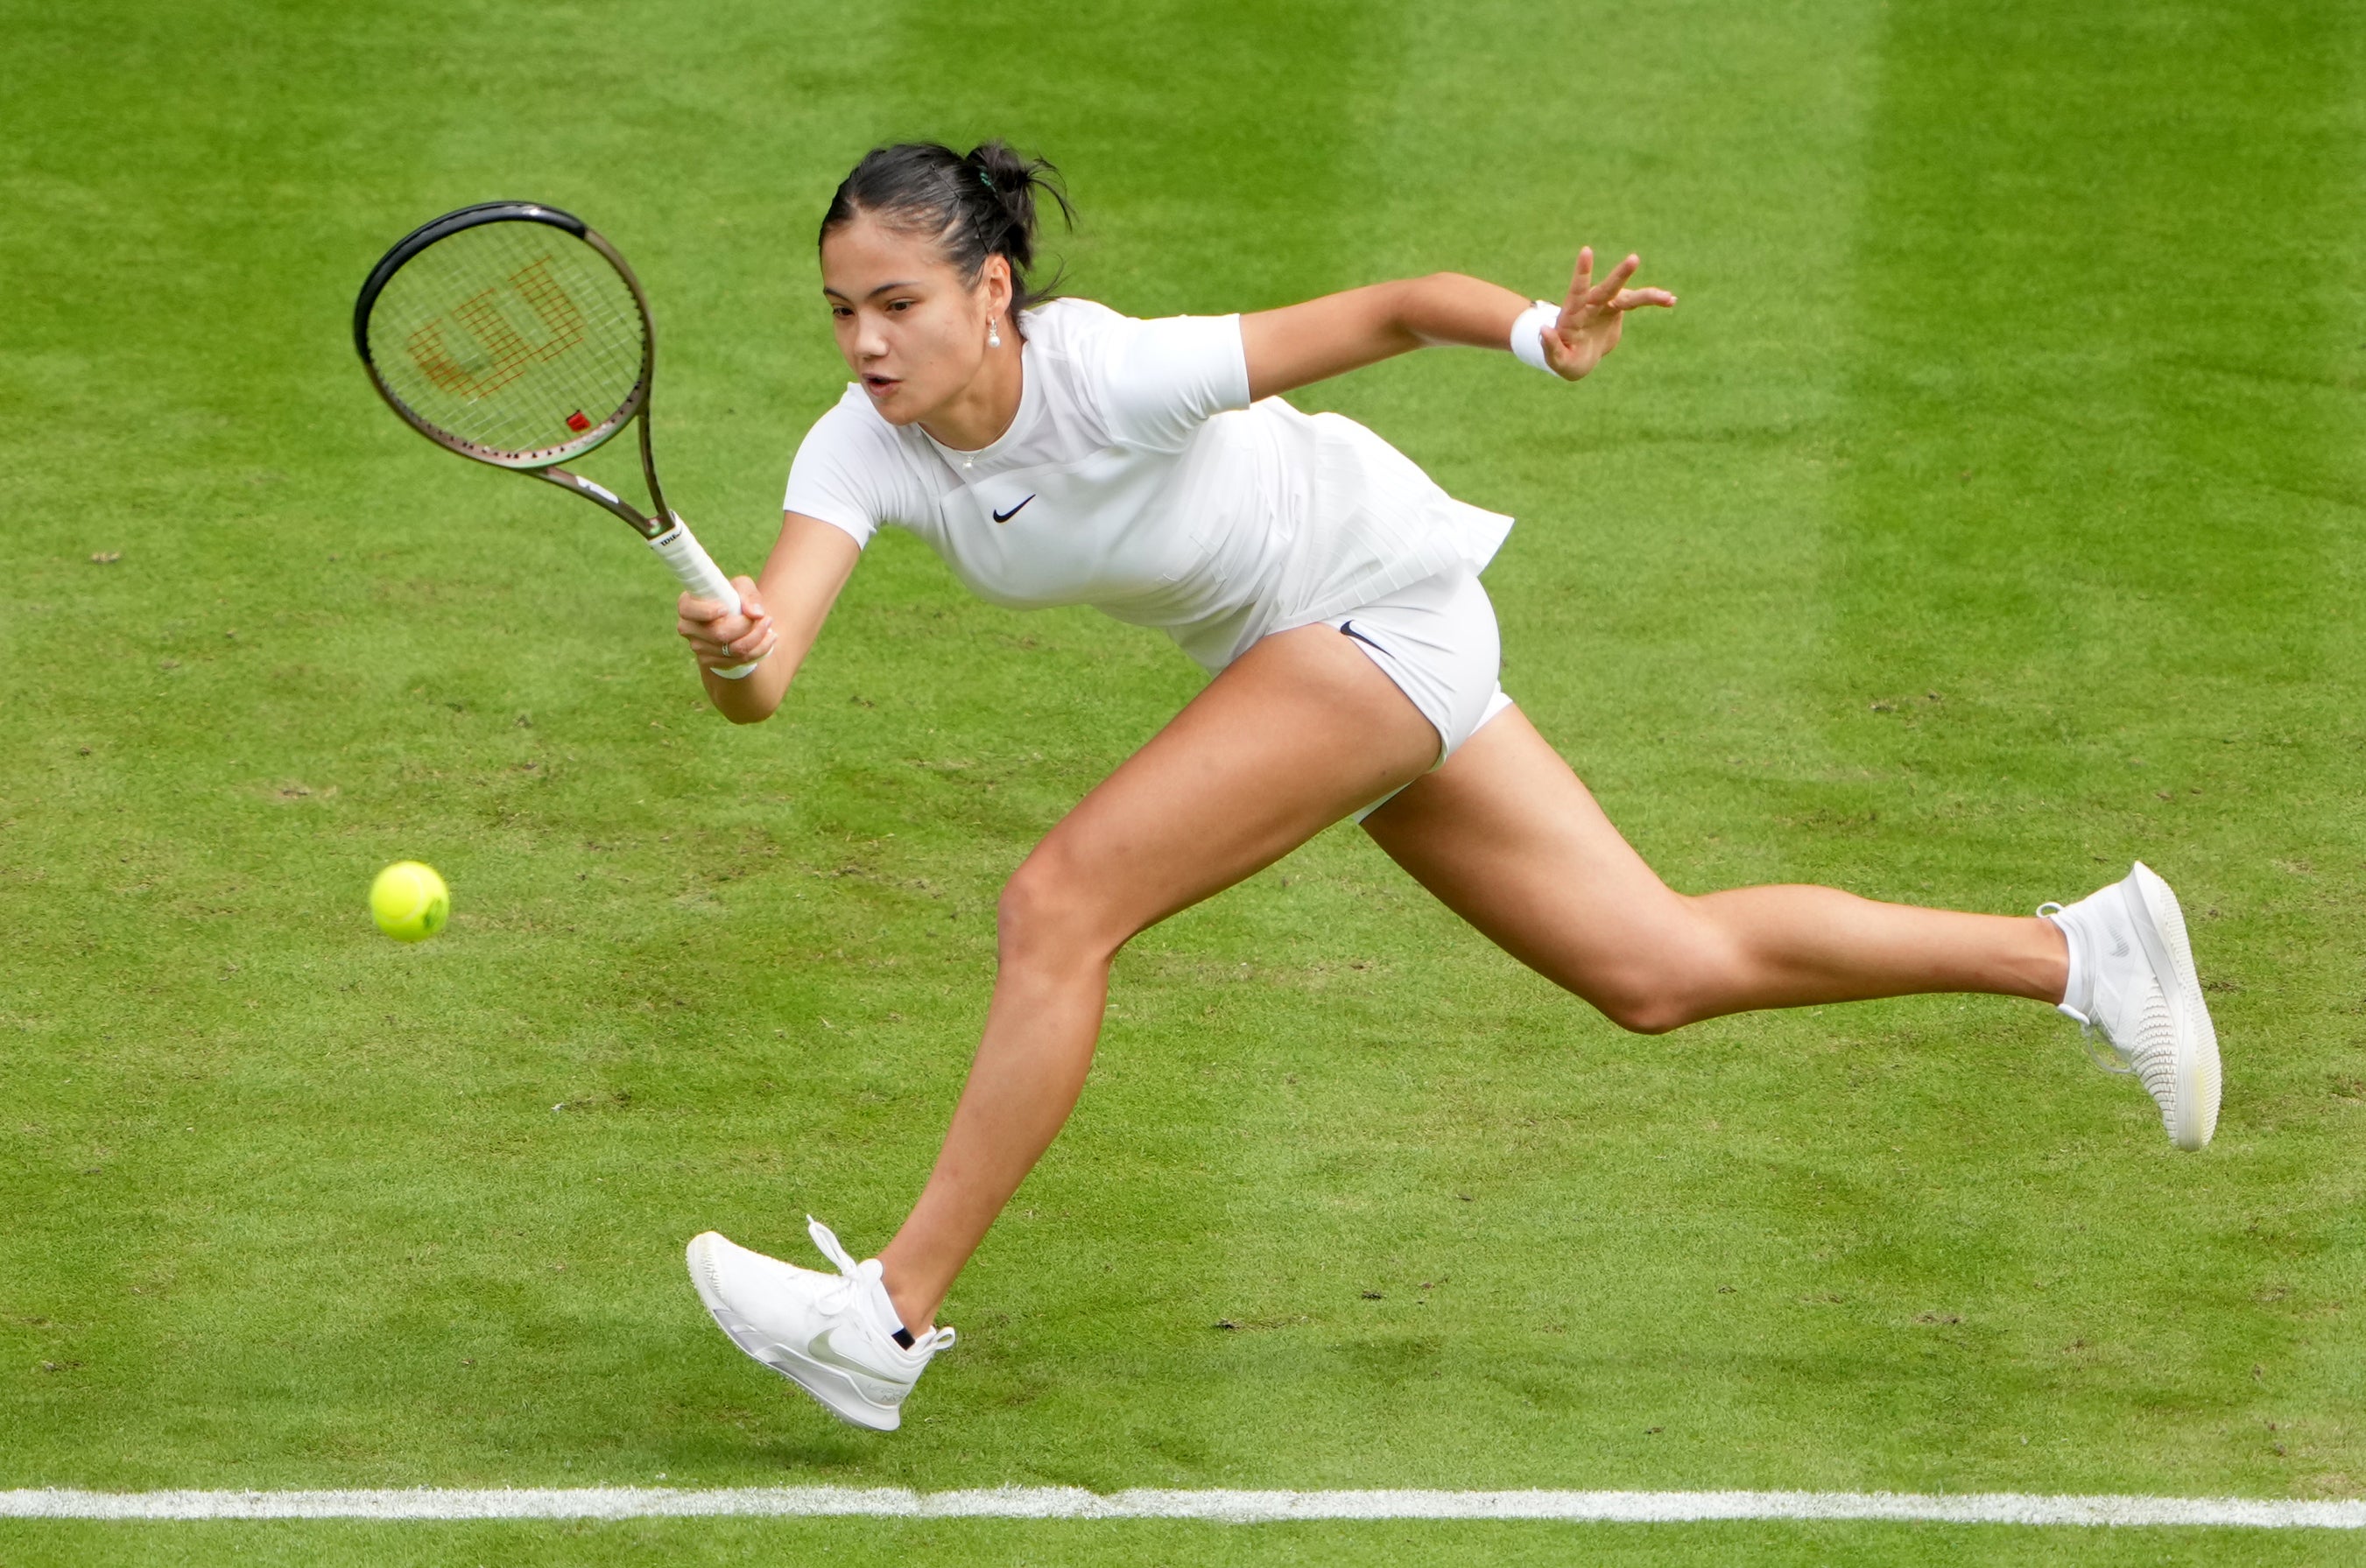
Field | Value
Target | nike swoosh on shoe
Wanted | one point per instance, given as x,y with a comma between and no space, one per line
821,1348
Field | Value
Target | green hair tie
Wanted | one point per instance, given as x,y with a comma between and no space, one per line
986,180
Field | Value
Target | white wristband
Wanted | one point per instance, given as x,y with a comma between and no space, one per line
1528,333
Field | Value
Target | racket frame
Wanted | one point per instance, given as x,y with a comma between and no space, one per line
661,527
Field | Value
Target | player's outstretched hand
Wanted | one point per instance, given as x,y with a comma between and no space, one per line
725,642
1590,317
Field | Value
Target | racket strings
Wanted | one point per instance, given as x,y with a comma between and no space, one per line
515,337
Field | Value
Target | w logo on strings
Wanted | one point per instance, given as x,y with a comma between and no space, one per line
500,352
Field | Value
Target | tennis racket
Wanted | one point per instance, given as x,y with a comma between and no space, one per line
512,334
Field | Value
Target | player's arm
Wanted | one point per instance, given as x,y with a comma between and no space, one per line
1299,344
779,618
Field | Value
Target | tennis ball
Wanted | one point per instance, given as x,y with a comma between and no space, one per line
409,902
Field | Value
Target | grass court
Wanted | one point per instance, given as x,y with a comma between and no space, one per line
1986,517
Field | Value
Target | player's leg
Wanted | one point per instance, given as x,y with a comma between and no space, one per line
1507,836
1291,737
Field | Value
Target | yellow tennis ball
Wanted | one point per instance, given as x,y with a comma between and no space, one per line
409,902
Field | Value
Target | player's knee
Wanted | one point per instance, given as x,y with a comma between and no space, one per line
1027,915
1679,977
1646,1014
1641,998
1047,915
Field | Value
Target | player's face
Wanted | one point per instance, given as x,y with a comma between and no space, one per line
906,322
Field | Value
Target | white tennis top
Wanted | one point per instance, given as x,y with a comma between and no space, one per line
1139,479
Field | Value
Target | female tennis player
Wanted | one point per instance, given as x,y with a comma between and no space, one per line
1056,452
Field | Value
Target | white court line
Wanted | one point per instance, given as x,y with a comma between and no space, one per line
1212,1506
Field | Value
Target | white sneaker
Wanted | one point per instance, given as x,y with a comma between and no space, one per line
823,1331
2129,949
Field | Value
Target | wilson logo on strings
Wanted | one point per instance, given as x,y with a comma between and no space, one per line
498,341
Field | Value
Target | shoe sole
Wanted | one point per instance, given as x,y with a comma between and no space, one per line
826,1385
2161,929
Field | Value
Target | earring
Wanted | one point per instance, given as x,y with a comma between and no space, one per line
993,334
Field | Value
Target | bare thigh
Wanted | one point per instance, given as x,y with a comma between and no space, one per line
1506,836
1293,736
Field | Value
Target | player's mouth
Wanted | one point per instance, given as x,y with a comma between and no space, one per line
880,386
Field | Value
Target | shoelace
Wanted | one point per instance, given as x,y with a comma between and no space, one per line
2110,1057
826,1241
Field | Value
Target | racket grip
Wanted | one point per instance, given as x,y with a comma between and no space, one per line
689,561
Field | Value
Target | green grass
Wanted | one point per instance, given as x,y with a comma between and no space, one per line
1052,1544
1986,515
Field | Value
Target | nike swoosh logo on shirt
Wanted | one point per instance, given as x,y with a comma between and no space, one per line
1348,628
1007,517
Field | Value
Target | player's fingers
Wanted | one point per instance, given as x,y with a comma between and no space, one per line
744,633
1556,347
1608,289
749,650
704,634
707,627
1566,361
1579,281
1635,299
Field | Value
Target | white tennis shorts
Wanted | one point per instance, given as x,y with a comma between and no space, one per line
1436,639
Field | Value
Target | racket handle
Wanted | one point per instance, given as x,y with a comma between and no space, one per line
688,559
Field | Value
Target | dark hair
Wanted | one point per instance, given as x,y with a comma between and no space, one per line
974,205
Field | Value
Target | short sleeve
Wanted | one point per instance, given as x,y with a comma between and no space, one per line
845,473
1161,379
